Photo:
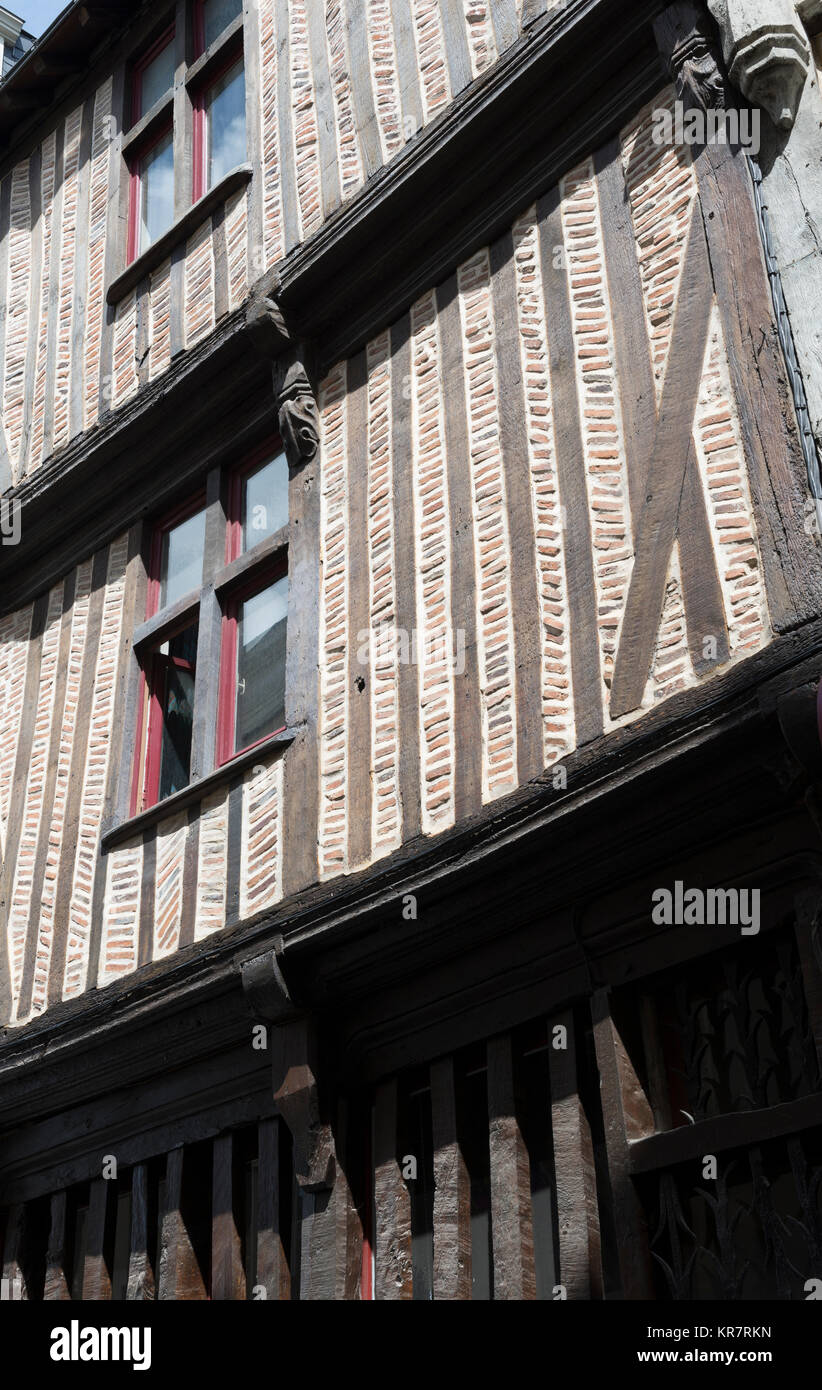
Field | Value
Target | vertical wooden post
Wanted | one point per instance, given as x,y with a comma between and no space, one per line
393,1269
56,1284
627,1117
96,1274
452,1190
809,946
179,1277
272,1267
140,1284
13,1287
227,1273
512,1230
580,1267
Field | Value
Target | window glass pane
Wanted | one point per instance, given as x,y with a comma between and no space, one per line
156,78
225,125
182,559
265,501
261,630
177,658
156,191
217,15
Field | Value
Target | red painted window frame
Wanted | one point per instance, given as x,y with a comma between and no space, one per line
265,453
199,118
134,185
148,741
139,67
267,574
199,27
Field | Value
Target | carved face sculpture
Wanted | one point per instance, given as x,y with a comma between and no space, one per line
699,80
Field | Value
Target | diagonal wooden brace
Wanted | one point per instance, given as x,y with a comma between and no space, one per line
672,464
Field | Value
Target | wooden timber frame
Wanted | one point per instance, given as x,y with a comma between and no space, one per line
535,908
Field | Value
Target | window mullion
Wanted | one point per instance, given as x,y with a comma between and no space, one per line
204,734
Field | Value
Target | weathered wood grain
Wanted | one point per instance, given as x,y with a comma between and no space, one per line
35,307
511,1217
359,676
452,1190
627,1117
701,589
302,686
140,1285
361,88
14,1279
666,476
522,541
96,1273
408,77
272,1266
456,44
324,98
17,799
393,1268
52,757
582,605
468,721
580,1269
405,567
291,229
227,1273
78,324
179,1275
54,294
56,1287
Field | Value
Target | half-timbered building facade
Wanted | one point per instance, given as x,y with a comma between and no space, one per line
410,613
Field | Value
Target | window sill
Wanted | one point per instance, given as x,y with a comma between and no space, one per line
179,231
195,791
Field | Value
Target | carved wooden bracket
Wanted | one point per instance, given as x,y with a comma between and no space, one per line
687,41
294,1052
297,414
767,53
296,1093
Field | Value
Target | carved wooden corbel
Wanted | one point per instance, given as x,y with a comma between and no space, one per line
767,53
297,414
294,1049
687,40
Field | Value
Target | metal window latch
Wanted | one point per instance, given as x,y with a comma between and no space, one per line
241,686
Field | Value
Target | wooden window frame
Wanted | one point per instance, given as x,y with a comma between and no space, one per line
180,110
138,68
229,575
234,57
198,27
148,739
263,567
133,247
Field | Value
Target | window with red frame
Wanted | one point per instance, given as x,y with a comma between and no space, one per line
151,164
170,661
255,614
219,127
152,75
214,93
211,19
252,586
